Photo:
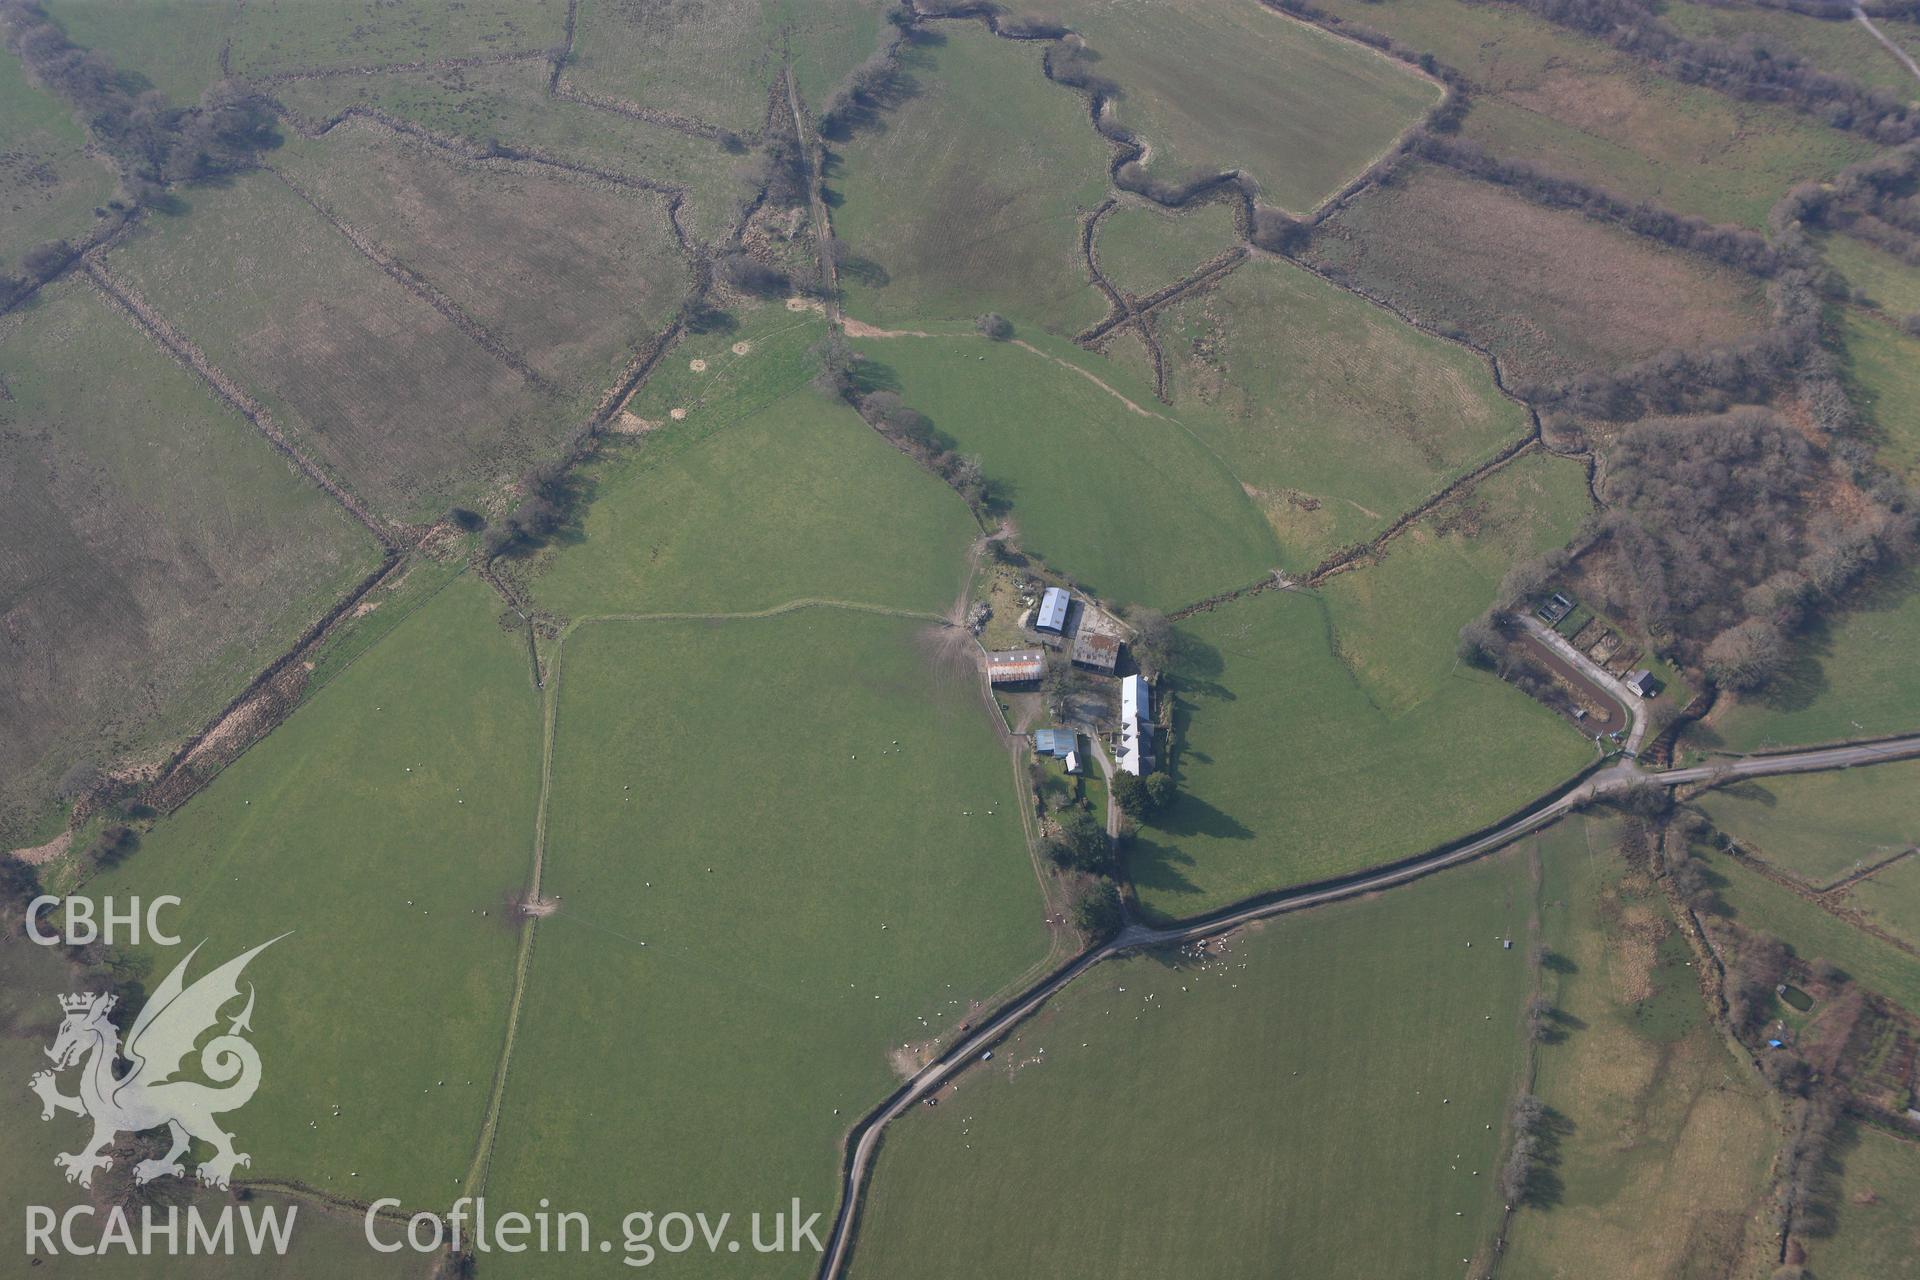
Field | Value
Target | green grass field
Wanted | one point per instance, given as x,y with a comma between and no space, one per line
325,1245
1758,903
1884,366
1823,826
1550,292
572,275
1888,282
1335,415
369,379
378,825
1213,87
1852,677
1143,248
1663,1162
273,37
49,187
1570,103
1127,503
509,105
761,898
766,492
1388,619
174,45
1842,48
1875,1234
715,60
1324,1099
1890,897
968,196
155,552
1320,733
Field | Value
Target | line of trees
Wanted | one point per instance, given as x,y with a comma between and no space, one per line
909,429
1527,1177
1752,67
154,141
1735,246
551,499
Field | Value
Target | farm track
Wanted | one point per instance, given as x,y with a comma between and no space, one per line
642,366
480,1169
1906,59
420,288
857,1164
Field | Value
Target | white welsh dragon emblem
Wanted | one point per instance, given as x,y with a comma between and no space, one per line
148,1096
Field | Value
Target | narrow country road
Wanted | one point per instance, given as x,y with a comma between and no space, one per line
1860,16
858,1165
1635,708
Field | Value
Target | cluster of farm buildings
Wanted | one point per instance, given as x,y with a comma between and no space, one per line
1092,640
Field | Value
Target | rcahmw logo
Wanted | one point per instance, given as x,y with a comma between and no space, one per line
151,1095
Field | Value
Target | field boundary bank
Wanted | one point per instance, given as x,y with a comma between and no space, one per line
190,357
1129,148
1529,1073
1348,557
1592,783
313,129
1136,309
481,1168
558,87
182,776
858,1166
328,1201
102,239
1825,899
1435,146
1867,873
1122,311
1358,556
471,62
419,287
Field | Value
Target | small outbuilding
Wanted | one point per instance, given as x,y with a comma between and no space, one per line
1053,611
1096,649
1016,666
1643,684
1058,743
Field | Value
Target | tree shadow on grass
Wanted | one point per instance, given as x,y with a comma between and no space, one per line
870,375
1191,816
1157,866
1544,1187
